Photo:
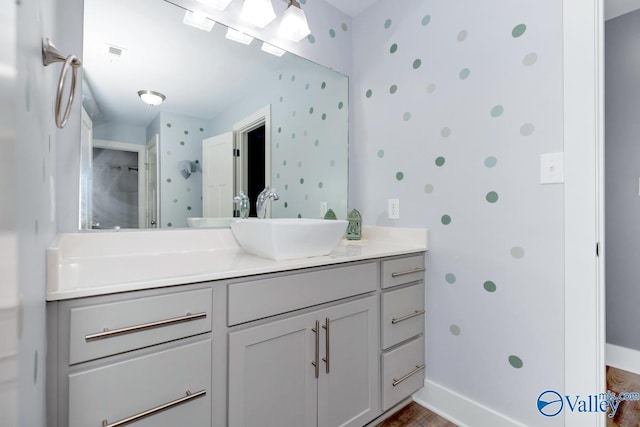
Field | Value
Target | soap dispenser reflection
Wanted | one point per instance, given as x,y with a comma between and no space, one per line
242,202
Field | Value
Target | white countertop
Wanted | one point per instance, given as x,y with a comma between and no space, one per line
99,263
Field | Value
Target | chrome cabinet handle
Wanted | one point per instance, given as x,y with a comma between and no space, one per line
316,361
137,417
404,377
404,273
325,359
137,328
408,316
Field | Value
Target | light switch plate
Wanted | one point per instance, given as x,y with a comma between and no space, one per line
552,168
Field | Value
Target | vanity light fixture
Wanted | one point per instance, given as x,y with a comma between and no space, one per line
257,12
238,36
198,20
269,48
294,24
218,4
151,97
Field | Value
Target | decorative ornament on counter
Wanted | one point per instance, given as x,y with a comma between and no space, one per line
354,229
330,214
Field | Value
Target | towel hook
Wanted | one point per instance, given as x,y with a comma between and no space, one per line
50,55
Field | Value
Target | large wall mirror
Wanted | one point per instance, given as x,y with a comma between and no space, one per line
234,118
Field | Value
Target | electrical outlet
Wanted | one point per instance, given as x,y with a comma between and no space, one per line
323,209
394,208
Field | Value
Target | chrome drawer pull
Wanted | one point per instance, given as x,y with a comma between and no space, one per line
404,377
408,316
137,417
316,361
404,273
130,329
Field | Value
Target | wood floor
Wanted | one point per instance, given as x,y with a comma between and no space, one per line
414,415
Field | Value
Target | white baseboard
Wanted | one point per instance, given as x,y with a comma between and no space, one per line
458,409
623,358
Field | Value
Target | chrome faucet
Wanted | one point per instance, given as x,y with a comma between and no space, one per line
261,203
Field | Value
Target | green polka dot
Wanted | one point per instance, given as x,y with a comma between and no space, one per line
293,135
489,286
464,73
440,161
490,162
380,153
431,88
169,180
281,98
527,129
387,24
344,27
530,59
169,224
168,125
279,130
186,132
445,219
311,38
175,200
197,161
518,30
286,187
416,64
517,252
323,85
300,163
324,116
168,153
455,330
406,116
181,142
492,197
340,105
450,278
286,205
393,48
515,361
280,76
311,110
188,208
307,86
332,163
316,142
293,78
399,176
320,184
284,163
201,129
426,20
428,188
445,132
497,111
299,215
369,93
301,180
393,89
332,33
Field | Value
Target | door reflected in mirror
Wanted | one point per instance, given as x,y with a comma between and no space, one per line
234,118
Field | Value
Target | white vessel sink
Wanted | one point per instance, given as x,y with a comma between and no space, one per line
288,238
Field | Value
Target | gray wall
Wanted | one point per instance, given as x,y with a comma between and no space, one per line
622,172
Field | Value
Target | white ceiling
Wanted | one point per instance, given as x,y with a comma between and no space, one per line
615,8
351,7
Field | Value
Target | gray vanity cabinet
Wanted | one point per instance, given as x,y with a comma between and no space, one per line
314,369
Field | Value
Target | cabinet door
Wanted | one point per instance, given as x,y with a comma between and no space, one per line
348,391
271,379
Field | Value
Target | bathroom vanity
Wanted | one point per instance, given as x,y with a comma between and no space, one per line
326,341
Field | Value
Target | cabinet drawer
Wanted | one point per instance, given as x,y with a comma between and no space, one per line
103,330
258,299
402,270
402,372
128,389
402,314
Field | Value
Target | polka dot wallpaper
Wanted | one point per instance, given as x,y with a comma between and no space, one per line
453,104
